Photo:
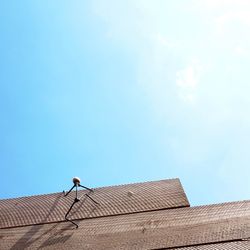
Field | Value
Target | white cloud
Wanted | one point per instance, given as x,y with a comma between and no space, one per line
164,41
187,81
239,51
161,41
215,4
232,16
187,78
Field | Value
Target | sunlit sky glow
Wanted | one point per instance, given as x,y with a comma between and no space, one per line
125,91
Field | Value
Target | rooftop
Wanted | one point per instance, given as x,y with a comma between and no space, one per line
150,215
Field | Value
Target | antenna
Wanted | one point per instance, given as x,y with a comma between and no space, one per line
76,181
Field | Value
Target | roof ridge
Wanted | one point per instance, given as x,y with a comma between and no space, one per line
221,203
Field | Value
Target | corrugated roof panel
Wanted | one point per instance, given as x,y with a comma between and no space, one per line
123,199
146,230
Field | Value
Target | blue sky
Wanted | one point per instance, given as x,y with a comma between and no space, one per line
125,91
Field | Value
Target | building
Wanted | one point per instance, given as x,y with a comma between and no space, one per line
150,215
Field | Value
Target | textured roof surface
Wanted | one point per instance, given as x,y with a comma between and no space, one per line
151,215
115,200
160,229
234,245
